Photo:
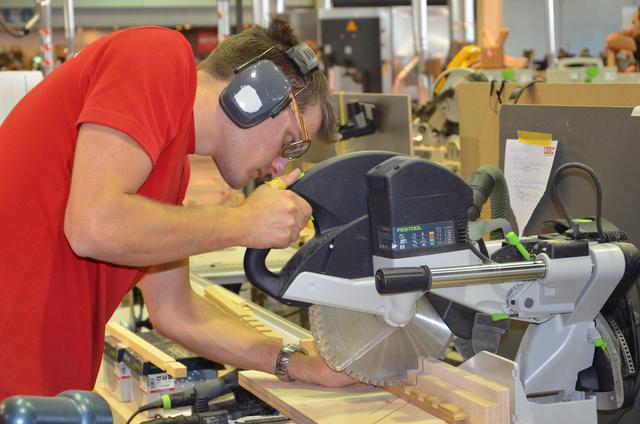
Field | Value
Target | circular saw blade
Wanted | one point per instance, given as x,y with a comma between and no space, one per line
370,350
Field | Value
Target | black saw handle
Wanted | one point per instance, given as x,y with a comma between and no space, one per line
336,189
256,271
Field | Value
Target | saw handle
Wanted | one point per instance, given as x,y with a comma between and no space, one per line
256,271
403,280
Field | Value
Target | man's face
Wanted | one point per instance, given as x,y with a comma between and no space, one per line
635,24
256,152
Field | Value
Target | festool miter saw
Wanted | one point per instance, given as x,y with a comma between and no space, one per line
392,274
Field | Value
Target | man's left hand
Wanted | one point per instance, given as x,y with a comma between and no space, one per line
313,369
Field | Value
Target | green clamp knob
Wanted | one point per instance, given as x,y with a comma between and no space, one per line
508,74
499,317
513,240
600,342
166,401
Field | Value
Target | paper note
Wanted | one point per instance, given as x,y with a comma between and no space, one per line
527,166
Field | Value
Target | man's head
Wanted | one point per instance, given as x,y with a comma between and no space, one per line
242,154
635,23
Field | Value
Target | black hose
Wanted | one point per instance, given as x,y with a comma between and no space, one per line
489,182
558,199
13,32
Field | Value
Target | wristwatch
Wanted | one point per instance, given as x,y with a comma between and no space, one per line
282,362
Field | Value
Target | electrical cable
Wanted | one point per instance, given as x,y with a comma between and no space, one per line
558,199
485,259
134,414
517,93
483,247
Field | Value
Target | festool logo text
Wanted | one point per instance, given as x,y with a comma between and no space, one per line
406,229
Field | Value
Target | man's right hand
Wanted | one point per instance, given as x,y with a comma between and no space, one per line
276,217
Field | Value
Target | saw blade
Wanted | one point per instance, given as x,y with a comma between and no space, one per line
370,350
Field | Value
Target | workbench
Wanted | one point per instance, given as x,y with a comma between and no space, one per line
303,403
226,266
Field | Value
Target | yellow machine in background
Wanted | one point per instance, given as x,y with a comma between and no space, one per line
464,59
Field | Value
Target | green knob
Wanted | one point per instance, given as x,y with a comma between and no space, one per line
513,240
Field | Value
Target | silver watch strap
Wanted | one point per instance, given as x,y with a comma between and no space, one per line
282,362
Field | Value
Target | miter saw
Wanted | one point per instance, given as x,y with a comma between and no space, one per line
392,274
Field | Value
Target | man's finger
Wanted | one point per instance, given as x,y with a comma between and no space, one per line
291,177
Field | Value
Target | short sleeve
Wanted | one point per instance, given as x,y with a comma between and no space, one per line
141,84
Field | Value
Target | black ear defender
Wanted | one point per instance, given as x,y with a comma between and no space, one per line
261,90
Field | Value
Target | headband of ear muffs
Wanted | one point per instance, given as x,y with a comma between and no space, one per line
261,90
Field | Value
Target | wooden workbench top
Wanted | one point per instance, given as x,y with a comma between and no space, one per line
305,403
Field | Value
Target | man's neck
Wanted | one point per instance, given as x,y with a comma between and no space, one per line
209,125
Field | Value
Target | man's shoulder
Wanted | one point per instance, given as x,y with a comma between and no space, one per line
159,36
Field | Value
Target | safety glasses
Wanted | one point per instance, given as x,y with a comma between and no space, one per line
293,149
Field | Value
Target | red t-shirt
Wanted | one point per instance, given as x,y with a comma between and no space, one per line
54,304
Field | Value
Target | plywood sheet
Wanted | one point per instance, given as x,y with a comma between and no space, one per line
360,404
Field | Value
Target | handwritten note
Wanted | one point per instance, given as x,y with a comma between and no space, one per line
527,166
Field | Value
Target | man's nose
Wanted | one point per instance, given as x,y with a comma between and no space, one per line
278,166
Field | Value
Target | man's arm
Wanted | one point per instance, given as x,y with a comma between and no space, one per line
178,313
106,220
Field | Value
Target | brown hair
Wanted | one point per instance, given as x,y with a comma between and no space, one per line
240,48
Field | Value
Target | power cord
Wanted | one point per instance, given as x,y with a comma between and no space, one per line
557,198
141,409
197,397
517,93
485,259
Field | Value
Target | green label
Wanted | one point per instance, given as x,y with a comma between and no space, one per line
407,229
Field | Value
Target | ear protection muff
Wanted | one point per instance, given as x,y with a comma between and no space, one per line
261,90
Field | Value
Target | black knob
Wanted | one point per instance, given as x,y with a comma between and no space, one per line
403,280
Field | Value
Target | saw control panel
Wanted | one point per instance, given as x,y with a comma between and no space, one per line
421,236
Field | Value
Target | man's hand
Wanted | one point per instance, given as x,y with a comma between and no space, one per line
313,369
276,216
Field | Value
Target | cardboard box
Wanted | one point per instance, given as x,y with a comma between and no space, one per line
479,112
117,374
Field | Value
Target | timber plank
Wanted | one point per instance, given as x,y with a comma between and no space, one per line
305,403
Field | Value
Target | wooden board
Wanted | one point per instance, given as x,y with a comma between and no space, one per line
449,412
240,307
454,394
360,404
474,383
147,350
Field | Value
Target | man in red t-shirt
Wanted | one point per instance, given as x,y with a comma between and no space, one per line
93,170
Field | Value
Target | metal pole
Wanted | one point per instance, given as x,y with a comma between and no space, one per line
280,7
487,274
550,16
224,20
470,21
45,36
239,17
69,27
462,29
421,43
328,5
261,11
